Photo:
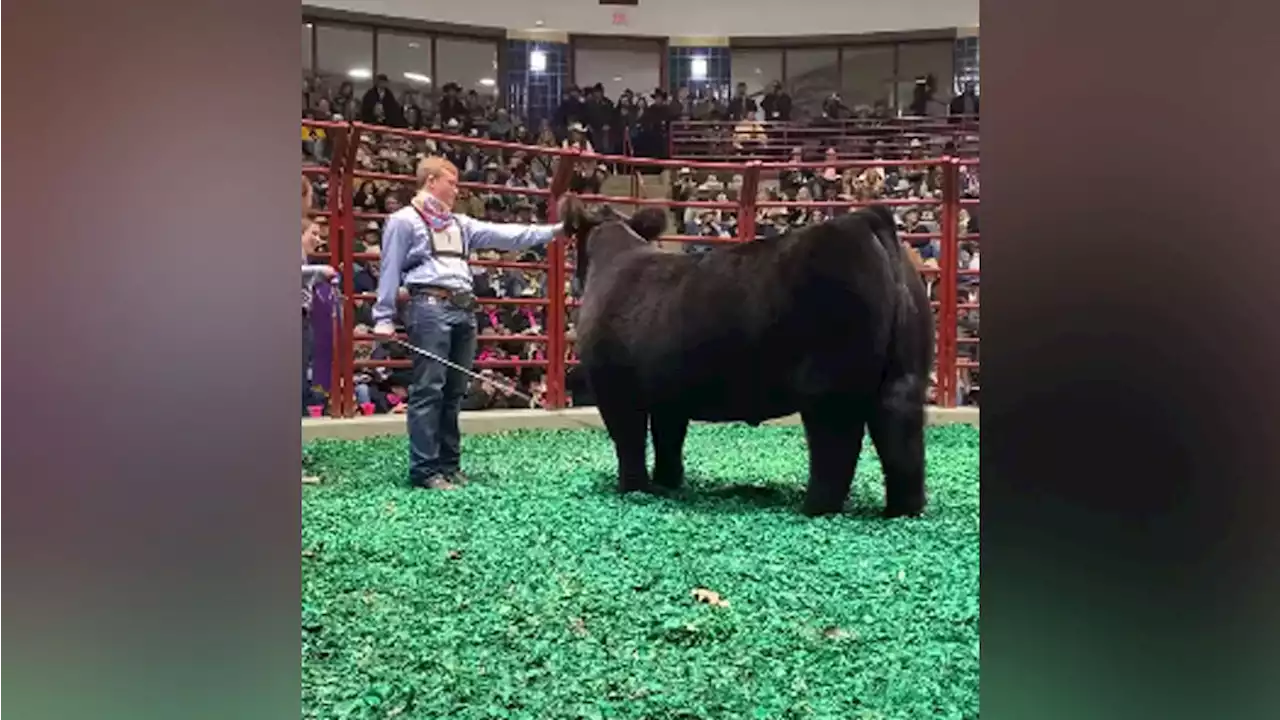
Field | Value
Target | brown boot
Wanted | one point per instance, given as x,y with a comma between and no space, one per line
436,482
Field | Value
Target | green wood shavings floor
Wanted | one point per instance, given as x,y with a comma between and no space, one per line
537,592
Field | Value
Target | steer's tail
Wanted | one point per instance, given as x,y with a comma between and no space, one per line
912,295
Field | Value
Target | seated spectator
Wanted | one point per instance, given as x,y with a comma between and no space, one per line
413,118
501,128
366,198
749,135
577,139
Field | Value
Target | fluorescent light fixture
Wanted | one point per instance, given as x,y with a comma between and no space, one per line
414,45
359,73
417,77
537,61
488,82
697,68
617,78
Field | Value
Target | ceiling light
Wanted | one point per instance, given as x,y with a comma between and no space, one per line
488,82
359,73
617,78
417,77
414,45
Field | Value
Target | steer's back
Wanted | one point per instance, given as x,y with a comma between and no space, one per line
745,331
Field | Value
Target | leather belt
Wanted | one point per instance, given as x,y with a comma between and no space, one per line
461,299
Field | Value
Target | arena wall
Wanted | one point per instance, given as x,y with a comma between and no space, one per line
680,17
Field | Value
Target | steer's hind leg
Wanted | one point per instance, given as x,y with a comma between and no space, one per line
897,429
834,434
669,431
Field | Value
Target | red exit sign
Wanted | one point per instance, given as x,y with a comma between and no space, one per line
619,18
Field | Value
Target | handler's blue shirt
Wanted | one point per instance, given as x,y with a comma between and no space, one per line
407,257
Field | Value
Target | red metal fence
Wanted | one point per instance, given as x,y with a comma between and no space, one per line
859,138
344,174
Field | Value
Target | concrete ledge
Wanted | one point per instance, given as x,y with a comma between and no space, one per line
491,421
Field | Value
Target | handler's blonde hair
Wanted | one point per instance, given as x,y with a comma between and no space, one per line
433,166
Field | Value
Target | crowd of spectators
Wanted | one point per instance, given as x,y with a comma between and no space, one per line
634,123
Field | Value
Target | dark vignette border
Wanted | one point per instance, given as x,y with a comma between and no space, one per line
152,444
1130,458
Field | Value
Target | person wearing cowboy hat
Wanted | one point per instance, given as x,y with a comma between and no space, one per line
572,109
380,97
451,105
578,138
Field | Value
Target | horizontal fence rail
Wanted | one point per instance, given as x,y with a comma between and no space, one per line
554,357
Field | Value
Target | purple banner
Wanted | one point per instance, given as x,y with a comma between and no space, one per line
323,306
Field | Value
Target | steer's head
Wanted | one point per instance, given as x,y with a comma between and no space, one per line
605,229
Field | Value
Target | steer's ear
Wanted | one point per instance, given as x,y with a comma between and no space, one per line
885,220
649,222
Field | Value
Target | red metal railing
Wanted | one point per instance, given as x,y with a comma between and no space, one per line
961,202
337,136
859,138
344,176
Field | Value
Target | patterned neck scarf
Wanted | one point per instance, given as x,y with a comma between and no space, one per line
433,212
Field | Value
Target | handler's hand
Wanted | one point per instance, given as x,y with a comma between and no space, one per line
328,272
384,329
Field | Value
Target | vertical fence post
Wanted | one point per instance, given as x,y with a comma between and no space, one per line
747,201
337,239
555,325
948,282
348,272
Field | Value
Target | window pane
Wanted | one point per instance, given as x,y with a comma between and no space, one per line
867,75
812,75
406,61
473,64
344,54
966,59
756,68
618,70
306,48
618,64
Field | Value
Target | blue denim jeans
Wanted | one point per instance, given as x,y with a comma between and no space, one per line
435,396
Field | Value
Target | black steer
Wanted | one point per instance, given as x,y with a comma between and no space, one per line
831,321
